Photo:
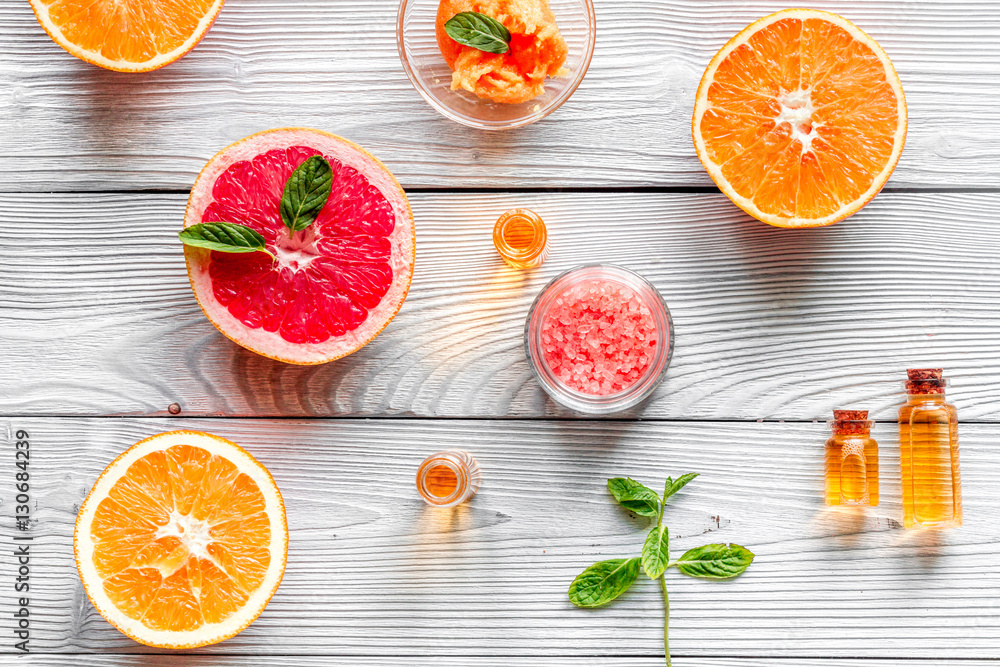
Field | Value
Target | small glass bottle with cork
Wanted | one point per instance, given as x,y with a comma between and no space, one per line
851,460
928,449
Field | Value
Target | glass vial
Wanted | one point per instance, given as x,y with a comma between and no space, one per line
851,460
928,447
521,238
448,478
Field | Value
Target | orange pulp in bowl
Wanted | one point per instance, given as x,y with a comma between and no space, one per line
537,50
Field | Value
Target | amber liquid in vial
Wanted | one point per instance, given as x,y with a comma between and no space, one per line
851,460
441,481
928,448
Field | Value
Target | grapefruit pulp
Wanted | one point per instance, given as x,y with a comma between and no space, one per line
334,285
182,540
537,50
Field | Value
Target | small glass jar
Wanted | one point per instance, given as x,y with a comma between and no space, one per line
448,478
521,238
654,339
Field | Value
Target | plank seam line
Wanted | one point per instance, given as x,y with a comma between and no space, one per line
596,190
623,656
362,417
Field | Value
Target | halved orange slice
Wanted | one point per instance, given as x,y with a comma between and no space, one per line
182,541
127,35
800,118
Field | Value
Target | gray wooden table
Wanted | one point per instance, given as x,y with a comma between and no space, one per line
102,342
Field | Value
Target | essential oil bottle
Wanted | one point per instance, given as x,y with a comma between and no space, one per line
448,478
521,238
851,460
928,446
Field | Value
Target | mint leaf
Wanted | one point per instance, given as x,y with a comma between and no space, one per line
478,31
656,552
673,486
224,237
715,561
634,497
306,192
603,582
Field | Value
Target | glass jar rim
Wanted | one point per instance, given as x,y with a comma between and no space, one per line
538,241
592,403
447,460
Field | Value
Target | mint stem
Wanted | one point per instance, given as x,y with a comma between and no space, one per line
666,620
663,585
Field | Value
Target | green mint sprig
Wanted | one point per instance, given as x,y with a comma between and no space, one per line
478,31
608,580
306,193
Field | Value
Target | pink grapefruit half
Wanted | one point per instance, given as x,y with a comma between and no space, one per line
336,284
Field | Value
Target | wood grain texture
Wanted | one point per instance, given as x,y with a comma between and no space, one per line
373,571
334,65
97,317
82,660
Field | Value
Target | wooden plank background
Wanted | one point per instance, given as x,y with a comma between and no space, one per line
333,64
100,337
769,323
373,571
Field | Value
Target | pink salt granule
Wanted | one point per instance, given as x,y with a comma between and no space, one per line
598,337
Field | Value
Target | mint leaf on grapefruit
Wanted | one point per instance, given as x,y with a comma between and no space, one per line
305,194
224,237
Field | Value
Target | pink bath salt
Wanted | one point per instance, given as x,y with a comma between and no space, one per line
598,337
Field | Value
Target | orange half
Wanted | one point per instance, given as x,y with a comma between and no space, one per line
127,35
182,541
800,119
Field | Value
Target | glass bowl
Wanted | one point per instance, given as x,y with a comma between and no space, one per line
645,385
431,76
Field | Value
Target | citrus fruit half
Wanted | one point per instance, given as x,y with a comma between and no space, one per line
334,285
800,118
127,35
182,540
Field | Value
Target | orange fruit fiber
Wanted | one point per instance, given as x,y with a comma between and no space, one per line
181,539
127,35
800,119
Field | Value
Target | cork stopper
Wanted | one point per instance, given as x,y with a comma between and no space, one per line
925,381
850,422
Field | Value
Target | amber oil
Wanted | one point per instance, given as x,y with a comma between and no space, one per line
521,238
448,478
928,448
851,460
